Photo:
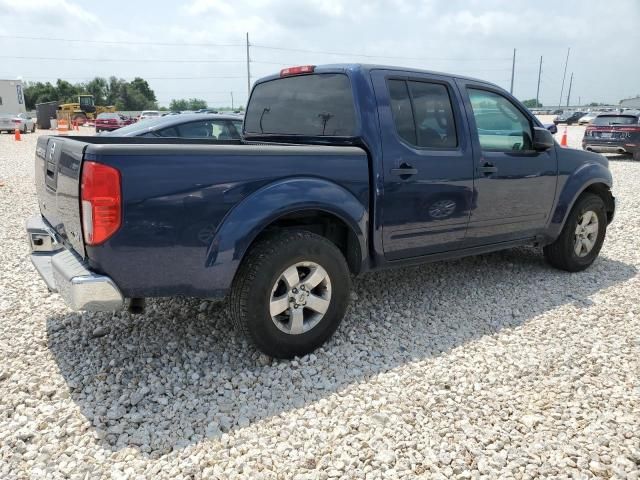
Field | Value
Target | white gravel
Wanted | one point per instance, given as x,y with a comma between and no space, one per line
486,367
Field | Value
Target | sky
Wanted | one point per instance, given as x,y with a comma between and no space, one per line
196,48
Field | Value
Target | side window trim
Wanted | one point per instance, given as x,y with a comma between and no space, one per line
448,87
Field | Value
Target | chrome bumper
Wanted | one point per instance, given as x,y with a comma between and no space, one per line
599,148
66,273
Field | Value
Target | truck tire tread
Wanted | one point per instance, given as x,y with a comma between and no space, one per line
559,254
259,261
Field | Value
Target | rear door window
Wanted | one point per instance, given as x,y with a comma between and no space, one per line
308,105
423,113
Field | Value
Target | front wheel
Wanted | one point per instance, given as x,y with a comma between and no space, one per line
582,237
290,293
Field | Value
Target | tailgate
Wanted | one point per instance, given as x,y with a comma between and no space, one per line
58,162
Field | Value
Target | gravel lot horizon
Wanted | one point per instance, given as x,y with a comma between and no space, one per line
495,366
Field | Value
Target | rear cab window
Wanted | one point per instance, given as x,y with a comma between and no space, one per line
316,105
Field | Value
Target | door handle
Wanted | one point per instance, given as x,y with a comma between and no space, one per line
488,168
405,171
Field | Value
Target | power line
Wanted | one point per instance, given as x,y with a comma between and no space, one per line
122,42
136,60
365,55
64,77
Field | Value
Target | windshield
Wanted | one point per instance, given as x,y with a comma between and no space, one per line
310,105
615,120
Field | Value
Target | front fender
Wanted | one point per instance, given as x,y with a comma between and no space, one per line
577,182
248,219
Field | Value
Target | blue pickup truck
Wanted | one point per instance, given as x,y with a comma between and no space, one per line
342,169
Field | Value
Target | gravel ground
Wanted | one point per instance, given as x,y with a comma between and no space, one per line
486,367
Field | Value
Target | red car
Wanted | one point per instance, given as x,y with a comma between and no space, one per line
111,121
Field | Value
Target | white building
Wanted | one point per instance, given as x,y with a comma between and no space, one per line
630,102
12,96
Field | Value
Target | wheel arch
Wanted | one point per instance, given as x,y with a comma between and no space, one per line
584,180
312,204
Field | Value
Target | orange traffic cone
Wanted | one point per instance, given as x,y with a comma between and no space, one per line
16,135
563,141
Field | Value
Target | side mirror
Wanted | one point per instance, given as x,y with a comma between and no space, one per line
552,127
542,139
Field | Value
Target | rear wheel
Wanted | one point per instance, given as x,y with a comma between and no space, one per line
24,129
582,236
33,128
636,155
290,293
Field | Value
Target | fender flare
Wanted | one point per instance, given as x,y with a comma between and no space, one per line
576,184
241,226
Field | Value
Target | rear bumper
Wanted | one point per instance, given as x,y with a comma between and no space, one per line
610,147
66,273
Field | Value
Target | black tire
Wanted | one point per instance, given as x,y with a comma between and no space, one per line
561,254
24,130
33,128
636,155
258,274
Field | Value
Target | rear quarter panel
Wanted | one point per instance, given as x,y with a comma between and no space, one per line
177,200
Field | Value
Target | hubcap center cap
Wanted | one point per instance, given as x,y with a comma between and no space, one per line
301,298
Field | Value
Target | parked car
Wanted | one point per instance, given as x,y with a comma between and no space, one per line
614,133
111,121
21,121
588,118
192,125
146,114
568,117
342,169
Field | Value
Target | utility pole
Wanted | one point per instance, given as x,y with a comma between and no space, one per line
248,68
232,101
513,71
569,93
538,89
564,75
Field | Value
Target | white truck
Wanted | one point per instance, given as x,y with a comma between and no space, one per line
12,97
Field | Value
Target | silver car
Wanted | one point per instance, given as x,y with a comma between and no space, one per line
22,121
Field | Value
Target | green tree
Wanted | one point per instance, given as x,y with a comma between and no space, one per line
98,87
191,104
197,104
178,105
531,103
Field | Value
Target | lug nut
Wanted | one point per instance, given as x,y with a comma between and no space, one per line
296,306
295,290
301,287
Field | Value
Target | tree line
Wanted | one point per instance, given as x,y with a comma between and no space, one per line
124,95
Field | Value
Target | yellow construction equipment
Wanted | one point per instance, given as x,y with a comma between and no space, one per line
84,110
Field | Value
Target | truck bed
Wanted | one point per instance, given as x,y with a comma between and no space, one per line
175,195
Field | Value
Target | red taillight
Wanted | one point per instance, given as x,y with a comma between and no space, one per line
629,129
101,202
286,72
